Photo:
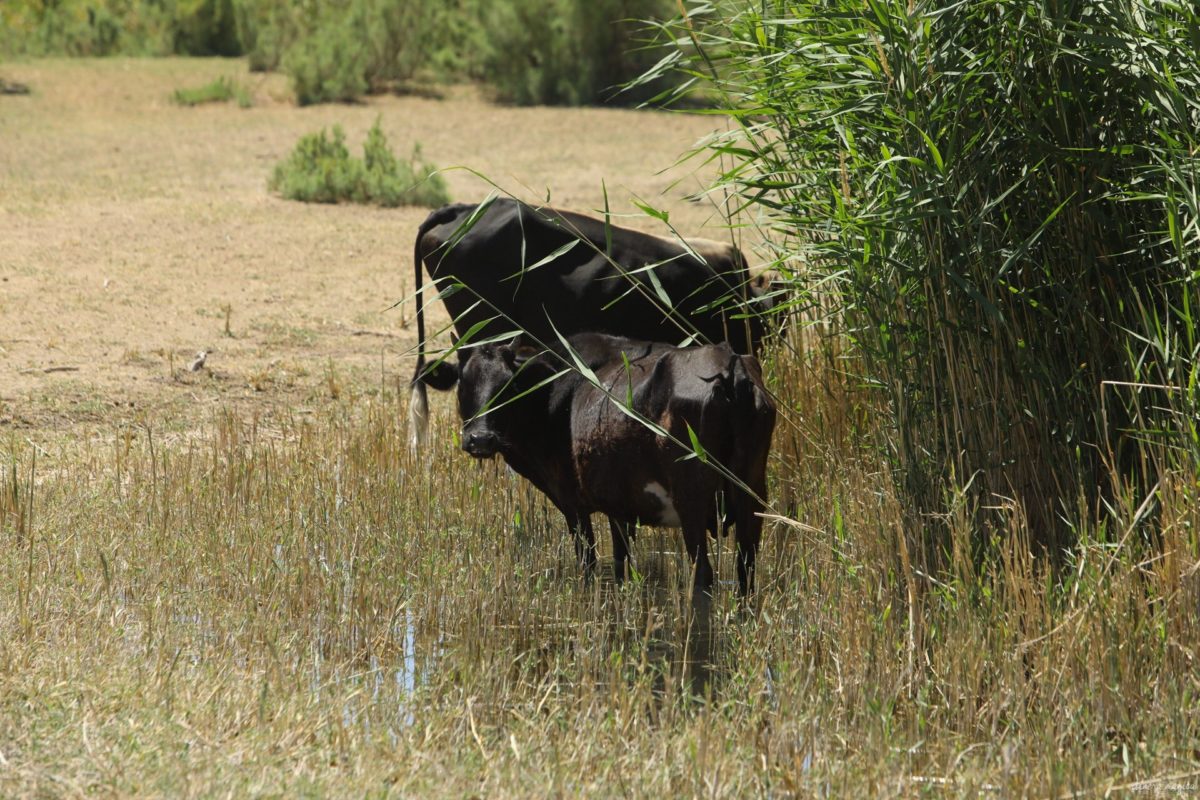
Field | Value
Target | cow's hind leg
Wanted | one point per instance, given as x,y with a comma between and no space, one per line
622,534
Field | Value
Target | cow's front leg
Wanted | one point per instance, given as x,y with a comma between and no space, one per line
585,541
695,538
749,532
622,533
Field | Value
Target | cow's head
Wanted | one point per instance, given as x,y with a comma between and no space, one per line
769,293
766,287
491,387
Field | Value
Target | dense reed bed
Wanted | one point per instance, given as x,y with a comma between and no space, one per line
994,204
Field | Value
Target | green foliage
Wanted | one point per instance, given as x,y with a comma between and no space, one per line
568,52
327,66
999,204
321,170
266,29
342,49
397,35
459,42
129,27
219,91
559,51
206,28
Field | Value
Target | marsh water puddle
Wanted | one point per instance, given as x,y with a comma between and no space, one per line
690,649
383,690
668,649
379,672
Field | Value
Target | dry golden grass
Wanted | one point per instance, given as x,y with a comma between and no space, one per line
228,592
136,230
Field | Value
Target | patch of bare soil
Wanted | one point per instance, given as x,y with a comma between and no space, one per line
135,234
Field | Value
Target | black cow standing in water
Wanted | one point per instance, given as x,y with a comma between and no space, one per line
541,270
639,431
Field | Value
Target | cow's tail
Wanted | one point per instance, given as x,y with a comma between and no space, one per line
418,402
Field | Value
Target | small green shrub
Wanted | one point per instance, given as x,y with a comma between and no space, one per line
321,170
219,91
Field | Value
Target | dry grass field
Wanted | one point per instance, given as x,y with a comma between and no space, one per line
135,229
237,582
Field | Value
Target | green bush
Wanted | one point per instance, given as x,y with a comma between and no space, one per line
458,42
998,205
110,27
219,91
206,28
532,56
572,52
266,28
398,37
327,66
530,51
321,170
75,30
344,49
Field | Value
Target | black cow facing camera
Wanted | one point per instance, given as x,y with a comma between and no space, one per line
639,431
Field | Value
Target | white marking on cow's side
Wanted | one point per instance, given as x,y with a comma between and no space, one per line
668,517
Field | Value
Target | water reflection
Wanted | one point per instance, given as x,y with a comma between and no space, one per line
689,641
384,689
696,651
651,632
407,676
653,616
681,630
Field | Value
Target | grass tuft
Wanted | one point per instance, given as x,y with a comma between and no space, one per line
221,90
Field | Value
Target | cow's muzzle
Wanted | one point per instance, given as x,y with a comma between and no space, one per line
480,444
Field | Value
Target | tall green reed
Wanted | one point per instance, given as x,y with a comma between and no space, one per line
999,199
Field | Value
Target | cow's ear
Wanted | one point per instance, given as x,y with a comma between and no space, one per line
509,357
524,353
441,375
